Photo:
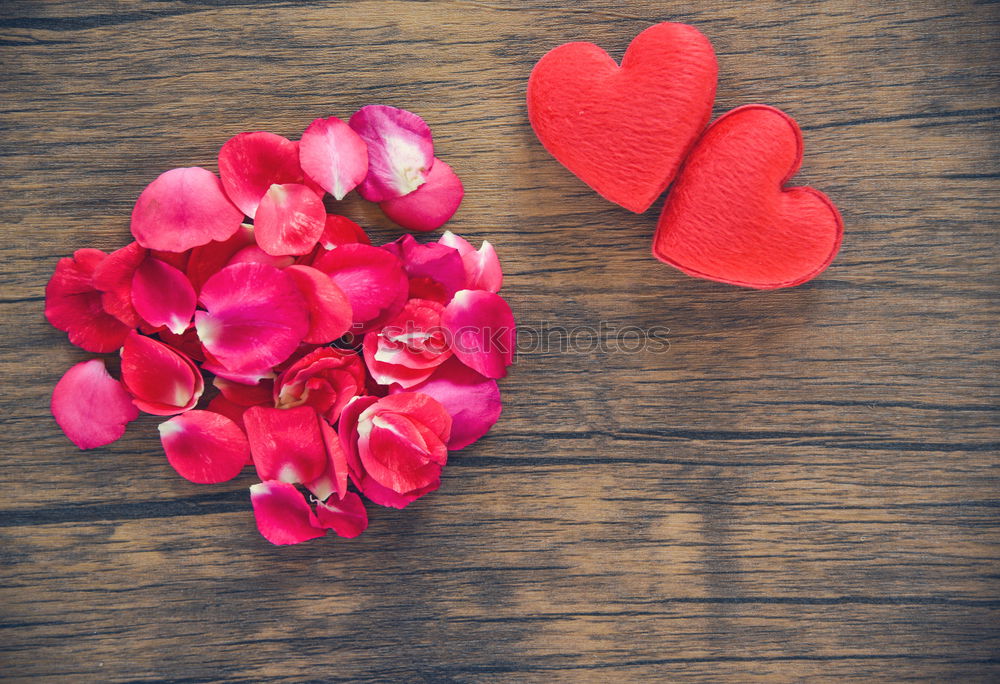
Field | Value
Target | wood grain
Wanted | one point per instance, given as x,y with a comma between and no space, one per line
801,485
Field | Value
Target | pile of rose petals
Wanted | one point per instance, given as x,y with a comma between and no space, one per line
275,336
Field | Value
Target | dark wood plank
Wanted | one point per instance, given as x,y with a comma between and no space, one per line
798,485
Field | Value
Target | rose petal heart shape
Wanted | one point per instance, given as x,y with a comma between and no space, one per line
625,131
729,218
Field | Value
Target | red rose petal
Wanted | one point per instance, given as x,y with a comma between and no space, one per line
397,453
250,163
329,310
259,394
482,330
290,220
187,343
286,444
344,515
90,406
400,151
283,516
184,208
334,156
472,400
163,295
340,230
74,305
482,266
326,379
252,254
255,316
162,380
431,205
113,277
204,446
373,280
334,478
207,260
230,410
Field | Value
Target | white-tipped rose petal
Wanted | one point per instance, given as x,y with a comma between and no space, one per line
90,406
431,205
334,156
163,295
250,163
482,267
286,444
400,151
344,515
204,446
283,516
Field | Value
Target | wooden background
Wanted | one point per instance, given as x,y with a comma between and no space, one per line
802,485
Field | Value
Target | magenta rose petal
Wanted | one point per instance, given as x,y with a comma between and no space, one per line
373,280
163,295
113,277
345,515
472,400
400,151
74,305
250,163
204,446
162,380
334,156
286,444
90,406
255,317
282,514
330,313
184,208
437,262
252,254
431,205
482,266
290,220
482,330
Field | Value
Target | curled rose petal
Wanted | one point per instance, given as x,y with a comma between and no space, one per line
286,444
344,515
433,261
187,343
326,379
90,406
334,478
482,330
333,156
431,205
283,516
472,400
184,208
329,310
373,280
250,163
400,151
74,305
482,266
409,347
255,316
113,277
163,295
162,380
204,446
290,220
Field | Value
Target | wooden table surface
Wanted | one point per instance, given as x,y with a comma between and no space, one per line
798,485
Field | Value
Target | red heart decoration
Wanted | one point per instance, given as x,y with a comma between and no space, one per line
625,131
727,218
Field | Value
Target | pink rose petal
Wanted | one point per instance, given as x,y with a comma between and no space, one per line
161,379
74,305
252,254
163,295
283,516
326,379
333,156
373,280
204,446
482,267
472,400
207,260
184,208
334,478
344,515
255,316
290,220
329,310
431,205
434,261
400,151
250,163
90,406
113,277
482,331
286,444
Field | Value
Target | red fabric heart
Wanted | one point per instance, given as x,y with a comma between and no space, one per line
727,218
625,131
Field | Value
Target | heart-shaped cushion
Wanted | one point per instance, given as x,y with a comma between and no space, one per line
625,131
727,218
